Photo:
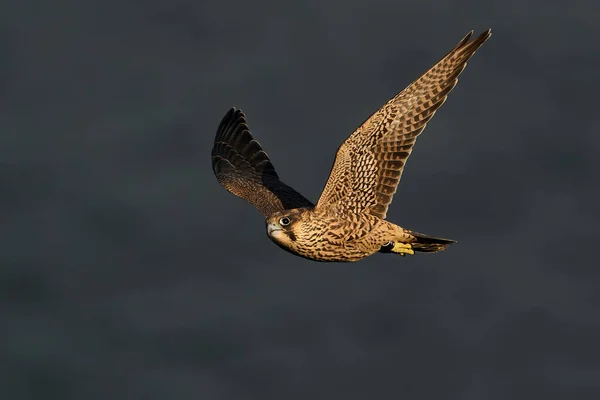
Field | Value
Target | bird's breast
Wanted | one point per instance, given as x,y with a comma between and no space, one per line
333,238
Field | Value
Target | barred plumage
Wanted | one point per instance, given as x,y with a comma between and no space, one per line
348,222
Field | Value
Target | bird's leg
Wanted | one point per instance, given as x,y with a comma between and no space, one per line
402,249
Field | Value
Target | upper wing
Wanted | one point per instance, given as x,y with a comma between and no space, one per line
369,164
244,169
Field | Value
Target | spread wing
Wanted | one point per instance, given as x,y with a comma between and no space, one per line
244,169
369,164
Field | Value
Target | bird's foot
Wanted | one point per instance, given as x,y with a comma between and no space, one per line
402,249
398,248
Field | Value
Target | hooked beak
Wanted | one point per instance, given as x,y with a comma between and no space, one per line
272,227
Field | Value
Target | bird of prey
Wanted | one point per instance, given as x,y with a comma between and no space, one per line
348,222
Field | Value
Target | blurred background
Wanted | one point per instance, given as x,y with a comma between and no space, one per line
127,272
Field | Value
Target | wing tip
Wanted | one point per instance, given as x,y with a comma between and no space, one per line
234,116
465,39
233,112
483,35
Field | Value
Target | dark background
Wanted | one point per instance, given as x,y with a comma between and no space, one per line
127,272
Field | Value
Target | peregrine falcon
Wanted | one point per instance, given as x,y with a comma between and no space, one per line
348,222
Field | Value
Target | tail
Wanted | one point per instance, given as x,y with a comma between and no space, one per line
429,244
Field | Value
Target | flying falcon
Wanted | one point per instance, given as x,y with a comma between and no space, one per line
348,223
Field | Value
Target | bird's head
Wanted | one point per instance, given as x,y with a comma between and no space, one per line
285,227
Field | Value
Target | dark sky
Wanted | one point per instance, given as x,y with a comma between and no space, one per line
127,272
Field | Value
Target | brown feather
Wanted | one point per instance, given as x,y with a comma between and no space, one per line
348,223
244,169
369,164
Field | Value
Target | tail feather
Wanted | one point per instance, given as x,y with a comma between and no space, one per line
429,244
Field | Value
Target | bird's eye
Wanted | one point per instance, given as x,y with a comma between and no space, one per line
284,221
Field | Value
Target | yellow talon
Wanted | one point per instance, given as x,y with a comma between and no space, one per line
403,249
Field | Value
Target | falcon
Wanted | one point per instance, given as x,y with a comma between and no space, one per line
348,222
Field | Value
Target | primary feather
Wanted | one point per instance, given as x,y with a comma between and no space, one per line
369,164
244,169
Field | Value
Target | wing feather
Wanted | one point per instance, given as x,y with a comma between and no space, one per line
369,164
244,169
